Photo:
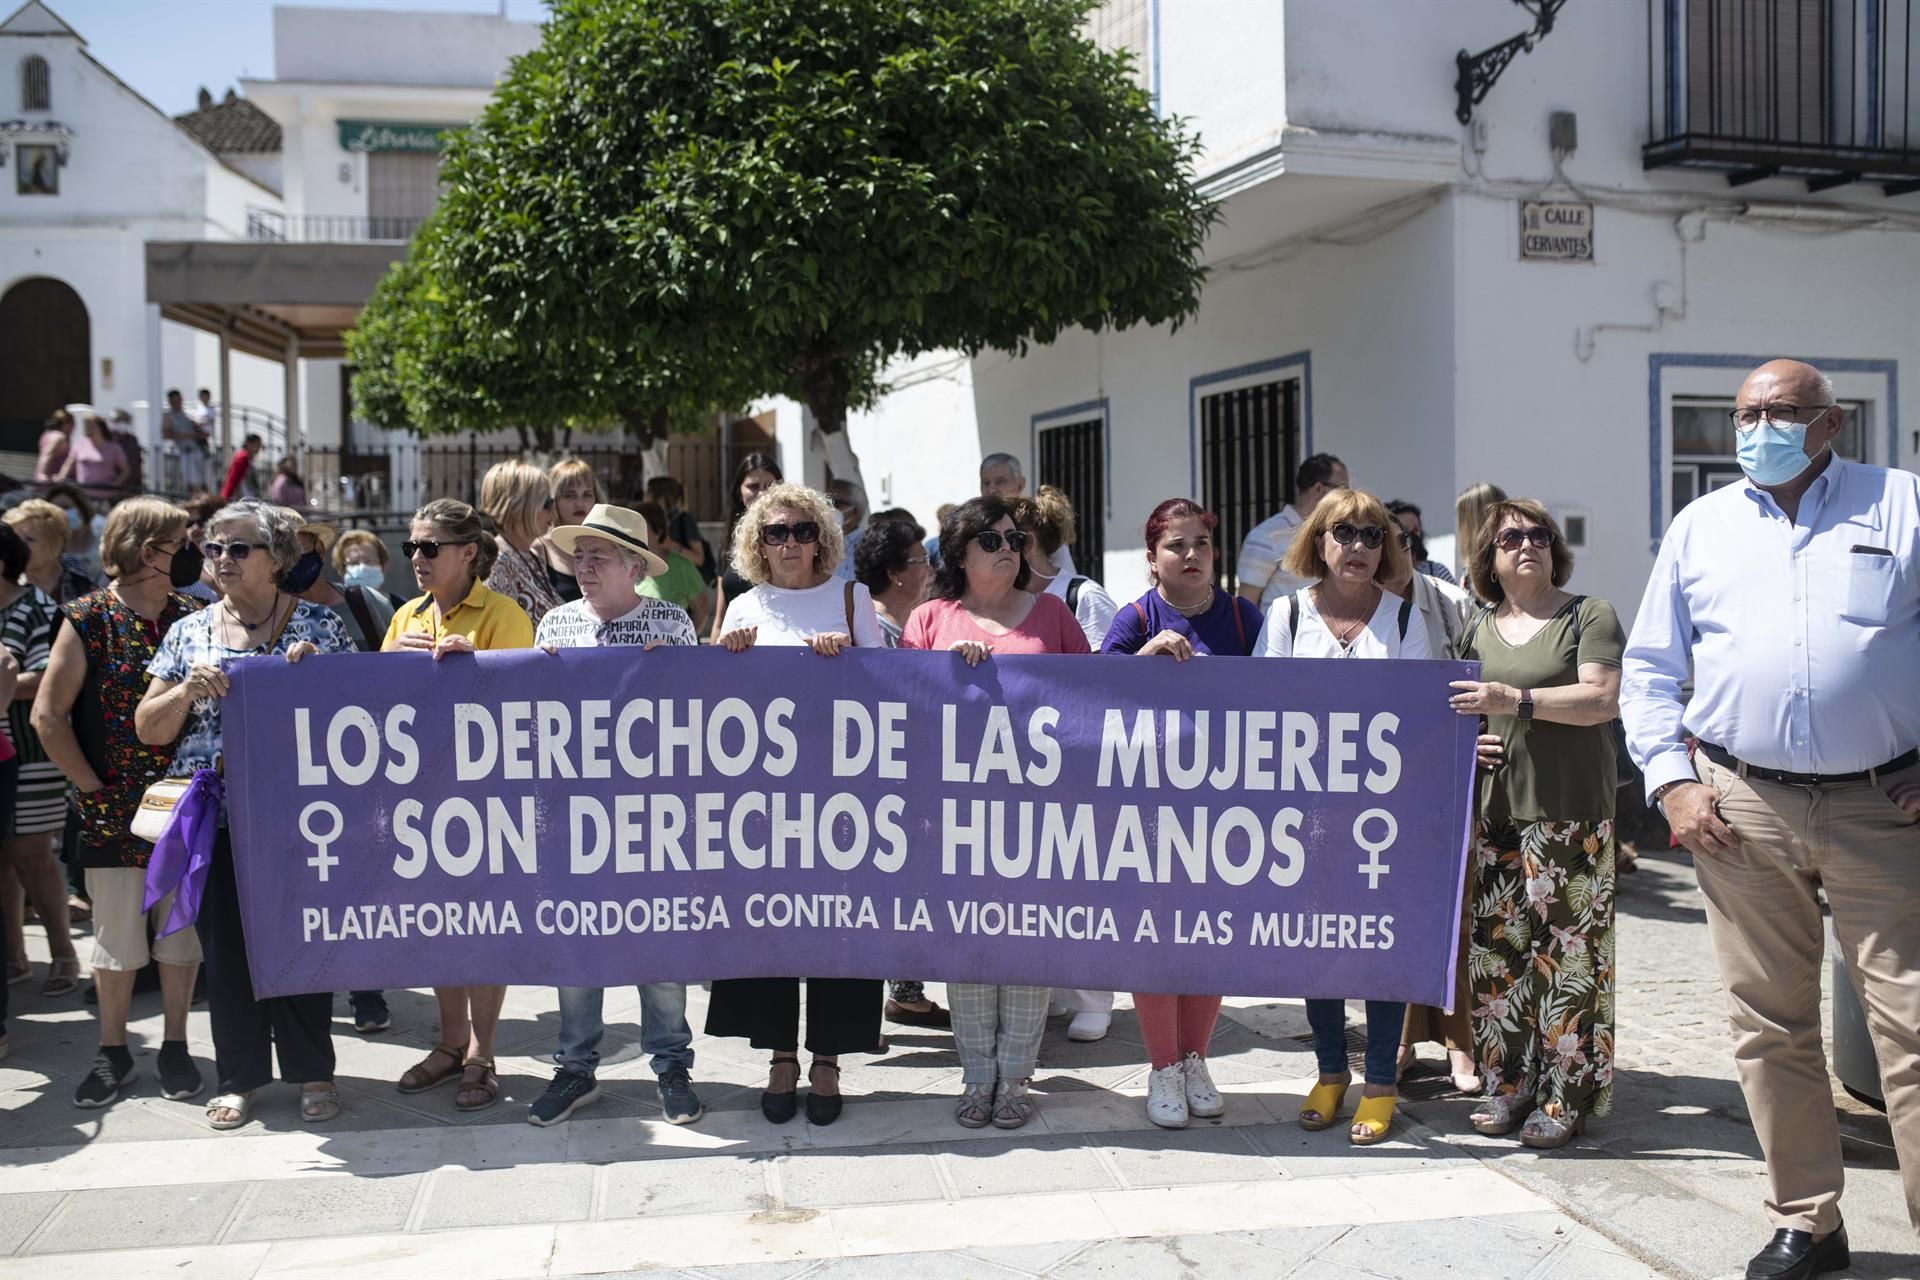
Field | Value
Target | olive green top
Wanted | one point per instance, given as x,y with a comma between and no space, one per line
1553,772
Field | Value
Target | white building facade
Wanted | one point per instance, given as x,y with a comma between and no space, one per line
90,172
1369,295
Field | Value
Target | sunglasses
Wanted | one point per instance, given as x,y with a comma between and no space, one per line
1369,535
804,532
430,548
230,550
990,539
1510,538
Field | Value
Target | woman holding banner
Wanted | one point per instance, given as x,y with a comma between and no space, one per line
786,546
981,607
1542,954
249,544
1184,613
451,554
1348,551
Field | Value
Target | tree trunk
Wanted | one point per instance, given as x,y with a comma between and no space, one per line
824,380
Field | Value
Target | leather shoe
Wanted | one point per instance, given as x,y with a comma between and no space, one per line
1796,1255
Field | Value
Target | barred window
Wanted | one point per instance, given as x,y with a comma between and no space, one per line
36,90
1125,25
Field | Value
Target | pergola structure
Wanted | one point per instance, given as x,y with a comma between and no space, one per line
281,302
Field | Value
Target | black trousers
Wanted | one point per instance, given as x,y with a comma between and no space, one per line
843,1014
246,1031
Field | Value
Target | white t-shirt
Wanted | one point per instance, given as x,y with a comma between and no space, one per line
792,615
1261,553
1380,638
575,625
1093,610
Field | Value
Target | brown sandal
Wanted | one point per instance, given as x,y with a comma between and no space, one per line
477,1080
423,1075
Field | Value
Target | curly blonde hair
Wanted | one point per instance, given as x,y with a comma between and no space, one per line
750,559
1048,516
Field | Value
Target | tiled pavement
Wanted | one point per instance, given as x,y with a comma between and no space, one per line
407,1186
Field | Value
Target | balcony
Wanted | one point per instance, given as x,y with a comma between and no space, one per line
325,228
1821,90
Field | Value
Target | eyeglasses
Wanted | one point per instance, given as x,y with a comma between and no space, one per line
804,532
1777,415
229,550
430,547
1370,535
1510,538
991,539
843,504
548,504
914,560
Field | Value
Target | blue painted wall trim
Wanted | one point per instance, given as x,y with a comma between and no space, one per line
1076,413
1300,360
1660,362
1153,53
1873,73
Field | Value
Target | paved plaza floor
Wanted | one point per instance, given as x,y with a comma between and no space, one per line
406,1186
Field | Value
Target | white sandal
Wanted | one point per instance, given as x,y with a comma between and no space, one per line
238,1103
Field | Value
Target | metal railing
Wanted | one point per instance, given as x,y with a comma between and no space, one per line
328,228
1817,88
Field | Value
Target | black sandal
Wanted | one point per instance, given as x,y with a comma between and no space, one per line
823,1109
781,1107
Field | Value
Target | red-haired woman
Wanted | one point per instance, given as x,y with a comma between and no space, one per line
1184,613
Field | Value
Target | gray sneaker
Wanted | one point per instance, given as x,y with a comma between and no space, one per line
678,1101
569,1091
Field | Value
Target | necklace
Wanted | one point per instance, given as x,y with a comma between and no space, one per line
1184,610
1344,636
251,626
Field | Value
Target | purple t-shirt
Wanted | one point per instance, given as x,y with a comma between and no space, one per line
1212,632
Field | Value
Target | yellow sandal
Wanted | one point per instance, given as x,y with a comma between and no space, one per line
1375,1115
1324,1100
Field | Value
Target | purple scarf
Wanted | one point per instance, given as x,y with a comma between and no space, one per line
184,851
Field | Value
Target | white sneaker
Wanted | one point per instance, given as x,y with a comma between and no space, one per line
1203,1099
1167,1097
1089,1024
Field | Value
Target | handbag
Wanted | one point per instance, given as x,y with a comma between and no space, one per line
163,796
156,808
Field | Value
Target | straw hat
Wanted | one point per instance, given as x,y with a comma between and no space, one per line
325,534
617,525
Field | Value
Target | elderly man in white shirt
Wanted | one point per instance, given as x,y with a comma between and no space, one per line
610,557
1261,579
1794,602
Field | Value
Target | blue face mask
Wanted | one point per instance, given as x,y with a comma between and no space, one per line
1773,454
368,577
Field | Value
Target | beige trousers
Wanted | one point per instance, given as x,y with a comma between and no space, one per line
1767,934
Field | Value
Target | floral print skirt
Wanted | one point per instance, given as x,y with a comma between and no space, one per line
1542,964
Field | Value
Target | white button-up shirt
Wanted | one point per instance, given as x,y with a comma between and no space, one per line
1803,635
1261,553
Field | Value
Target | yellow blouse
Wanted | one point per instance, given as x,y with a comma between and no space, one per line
489,619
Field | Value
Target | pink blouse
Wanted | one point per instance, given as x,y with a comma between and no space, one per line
1049,627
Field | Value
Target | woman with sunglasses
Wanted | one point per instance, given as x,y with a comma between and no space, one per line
249,545
1346,552
756,474
980,607
1183,614
1542,954
451,553
786,546
518,498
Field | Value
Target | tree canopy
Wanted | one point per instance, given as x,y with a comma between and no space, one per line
701,196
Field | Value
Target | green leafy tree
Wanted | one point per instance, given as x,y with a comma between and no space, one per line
789,192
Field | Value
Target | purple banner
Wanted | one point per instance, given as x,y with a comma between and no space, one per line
601,817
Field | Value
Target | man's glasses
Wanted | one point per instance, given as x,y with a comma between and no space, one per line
229,550
1370,536
804,532
991,540
1510,538
1776,415
430,548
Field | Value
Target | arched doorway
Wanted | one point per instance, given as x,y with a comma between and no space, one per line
46,357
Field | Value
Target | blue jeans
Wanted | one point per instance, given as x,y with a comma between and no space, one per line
1328,1018
664,1032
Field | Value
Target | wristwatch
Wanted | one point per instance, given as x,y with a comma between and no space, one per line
1659,797
1525,708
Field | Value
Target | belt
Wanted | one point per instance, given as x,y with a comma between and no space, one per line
1726,760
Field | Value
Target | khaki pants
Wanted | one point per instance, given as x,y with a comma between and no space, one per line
1764,919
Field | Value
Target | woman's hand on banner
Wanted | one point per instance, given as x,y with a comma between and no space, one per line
829,643
972,650
300,649
415,640
1169,644
1484,698
739,640
455,643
